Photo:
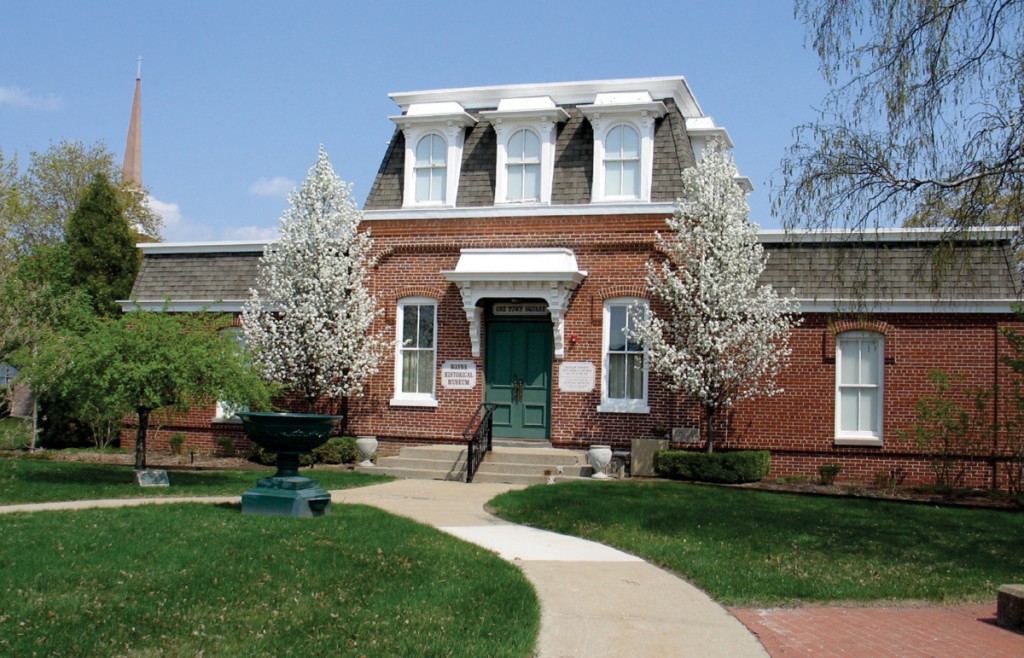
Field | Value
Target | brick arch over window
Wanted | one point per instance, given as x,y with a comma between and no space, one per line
598,299
828,339
410,291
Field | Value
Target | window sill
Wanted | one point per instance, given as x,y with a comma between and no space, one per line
220,420
412,402
858,441
615,407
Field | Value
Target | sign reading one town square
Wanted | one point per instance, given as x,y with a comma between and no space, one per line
576,377
458,374
509,308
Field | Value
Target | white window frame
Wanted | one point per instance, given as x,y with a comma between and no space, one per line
225,411
859,437
433,167
539,115
523,162
402,398
609,111
621,405
618,160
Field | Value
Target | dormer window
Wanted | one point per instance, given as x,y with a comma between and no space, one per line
526,130
431,169
623,126
434,137
523,166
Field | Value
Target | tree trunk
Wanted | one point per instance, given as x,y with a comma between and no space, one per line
709,429
140,439
343,423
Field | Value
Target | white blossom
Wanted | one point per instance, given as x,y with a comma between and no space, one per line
723,337
309,320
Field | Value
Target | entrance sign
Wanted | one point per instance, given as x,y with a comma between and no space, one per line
576,377
458,374
520,309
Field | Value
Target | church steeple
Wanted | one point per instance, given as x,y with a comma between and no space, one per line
132,167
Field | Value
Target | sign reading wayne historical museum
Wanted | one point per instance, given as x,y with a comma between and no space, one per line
576,377
458,374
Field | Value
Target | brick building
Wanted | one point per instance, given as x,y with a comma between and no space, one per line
512,226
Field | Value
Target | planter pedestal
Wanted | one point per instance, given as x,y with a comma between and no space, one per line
287,493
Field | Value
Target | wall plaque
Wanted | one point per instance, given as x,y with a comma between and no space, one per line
576,377
458,374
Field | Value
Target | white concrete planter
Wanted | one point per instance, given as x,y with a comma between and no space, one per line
367,447
599,457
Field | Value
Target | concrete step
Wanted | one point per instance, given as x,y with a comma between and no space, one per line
516,468
414,473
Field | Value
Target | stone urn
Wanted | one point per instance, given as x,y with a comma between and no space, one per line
289,435
367,447
599,456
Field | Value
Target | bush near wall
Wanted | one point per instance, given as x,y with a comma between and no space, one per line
337,450
721,467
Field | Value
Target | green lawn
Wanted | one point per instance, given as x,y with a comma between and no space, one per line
750,547
192,580
36,481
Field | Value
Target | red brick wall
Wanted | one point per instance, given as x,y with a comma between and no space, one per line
798,425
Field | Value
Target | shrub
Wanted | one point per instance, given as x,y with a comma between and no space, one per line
827,473
722,467
176,441
337,450
261,456
227,446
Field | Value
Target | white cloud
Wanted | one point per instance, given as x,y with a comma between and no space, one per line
278,186
18,98
169,212
179,228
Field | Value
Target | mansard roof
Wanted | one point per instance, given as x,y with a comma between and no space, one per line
884,271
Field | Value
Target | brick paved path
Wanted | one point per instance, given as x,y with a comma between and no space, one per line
954,632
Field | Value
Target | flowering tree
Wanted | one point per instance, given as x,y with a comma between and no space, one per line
723,337
309,320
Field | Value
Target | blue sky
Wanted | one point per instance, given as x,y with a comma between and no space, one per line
237,96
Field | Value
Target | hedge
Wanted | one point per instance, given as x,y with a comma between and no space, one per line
337,450
722,467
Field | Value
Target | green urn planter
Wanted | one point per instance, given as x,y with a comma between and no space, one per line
286,493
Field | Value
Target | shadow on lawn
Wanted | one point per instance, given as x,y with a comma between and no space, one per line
99,475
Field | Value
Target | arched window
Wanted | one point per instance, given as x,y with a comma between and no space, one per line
622,163
859,385
523,166
431,169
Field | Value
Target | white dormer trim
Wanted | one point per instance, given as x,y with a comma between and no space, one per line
539,115
634,109
701,129
447,119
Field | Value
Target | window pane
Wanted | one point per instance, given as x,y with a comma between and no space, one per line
426,332
849,363
531,181
409,322
869,362
868,412
515,182
616,324
848,413
410,364
616,375
423,151
423,185
613,142
634,315
630,179
425,372
635,384
438,150
531,146
612,179
630,142
437,184
515,147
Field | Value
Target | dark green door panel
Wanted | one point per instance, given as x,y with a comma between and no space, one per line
518,378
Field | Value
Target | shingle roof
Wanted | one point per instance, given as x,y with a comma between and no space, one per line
202,277
574,163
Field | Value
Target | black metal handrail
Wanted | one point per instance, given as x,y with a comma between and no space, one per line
478,438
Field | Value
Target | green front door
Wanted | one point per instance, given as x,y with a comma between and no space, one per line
518,378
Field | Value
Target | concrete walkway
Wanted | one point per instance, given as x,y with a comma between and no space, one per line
595,600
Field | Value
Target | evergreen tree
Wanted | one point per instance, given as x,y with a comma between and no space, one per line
102,247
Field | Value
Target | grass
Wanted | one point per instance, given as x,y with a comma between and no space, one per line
37,481
749,547
192,580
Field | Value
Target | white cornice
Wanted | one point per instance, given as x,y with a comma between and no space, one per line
182,305
960,306
522,210
562,93
242,246
833,236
